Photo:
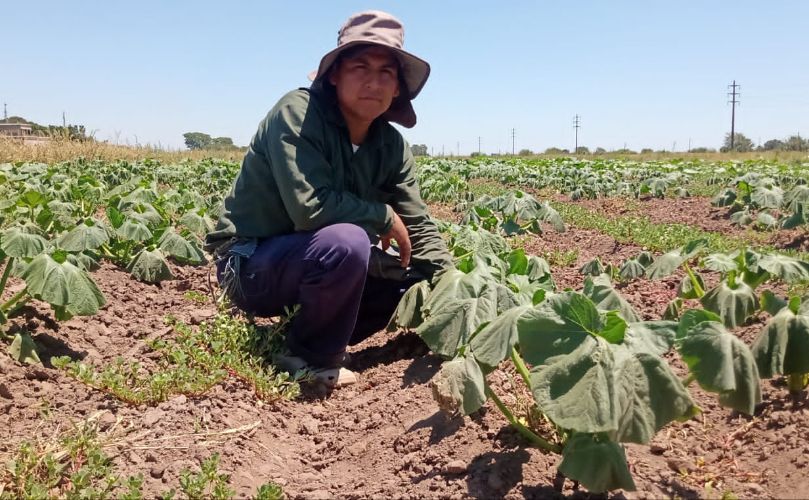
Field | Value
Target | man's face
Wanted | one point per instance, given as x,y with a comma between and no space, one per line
366,84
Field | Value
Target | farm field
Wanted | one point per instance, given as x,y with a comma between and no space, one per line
652,281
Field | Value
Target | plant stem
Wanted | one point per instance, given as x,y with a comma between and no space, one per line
522,429
797,381
13,300
687,380
6,274
697,288
520,364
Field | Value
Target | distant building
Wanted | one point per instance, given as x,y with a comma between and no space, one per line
21,131
16,129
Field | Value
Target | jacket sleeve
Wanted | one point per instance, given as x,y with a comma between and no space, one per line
430,252
294,144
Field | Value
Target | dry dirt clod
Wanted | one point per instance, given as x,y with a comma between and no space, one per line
151,417
309,425
157,471
4,392
455,467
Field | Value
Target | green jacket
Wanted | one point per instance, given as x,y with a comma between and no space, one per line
301,174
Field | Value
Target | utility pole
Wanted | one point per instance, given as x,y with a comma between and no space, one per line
64,122
479,151
5,111
734,102
458,148
513,133
577,126
689,144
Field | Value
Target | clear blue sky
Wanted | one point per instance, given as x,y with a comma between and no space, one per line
640,73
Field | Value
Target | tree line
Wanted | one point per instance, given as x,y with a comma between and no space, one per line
741,144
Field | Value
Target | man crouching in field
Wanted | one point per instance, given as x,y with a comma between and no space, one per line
325,179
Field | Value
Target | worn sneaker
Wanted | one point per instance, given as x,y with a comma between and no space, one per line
332,377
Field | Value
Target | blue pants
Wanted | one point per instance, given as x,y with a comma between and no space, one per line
326,272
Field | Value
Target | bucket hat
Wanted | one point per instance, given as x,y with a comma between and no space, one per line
380,28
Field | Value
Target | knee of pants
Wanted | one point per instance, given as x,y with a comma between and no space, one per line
344,244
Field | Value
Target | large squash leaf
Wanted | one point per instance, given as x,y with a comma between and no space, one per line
150,266
599,465
723,364
782,347
175,245
599,289
87,235
22,242
62,285
602,387
733,302
459,385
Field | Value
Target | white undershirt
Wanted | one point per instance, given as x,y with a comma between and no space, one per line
355,147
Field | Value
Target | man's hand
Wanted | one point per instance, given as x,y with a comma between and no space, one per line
398,232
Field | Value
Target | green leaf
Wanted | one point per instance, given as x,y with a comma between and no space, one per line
686,289
782,347
459,385
175,245
601,387
197,224
557,326
788,269
150,267
721,262
600,466
592,268
631,269
62,285
653,337
693,317
771,303
89,235
723,364
493,343
24,350
733,305
517,262
134,230
452,325
22,242
673,309
537,268
665,265
645,258
408,312
607,298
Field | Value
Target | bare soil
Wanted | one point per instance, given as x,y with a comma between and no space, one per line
384,437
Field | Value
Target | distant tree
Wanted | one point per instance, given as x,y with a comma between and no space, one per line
476,154
741,143
15,119
221,143
646,151
796,143
625,151
525,152
702,150
582,150
197,140
556,151
773,145
600,151
418,149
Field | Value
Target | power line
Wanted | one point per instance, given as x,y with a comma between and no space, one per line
734,102
577,126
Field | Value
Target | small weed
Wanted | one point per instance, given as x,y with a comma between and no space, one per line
72,466
561,258
196,297
270,491
194,362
